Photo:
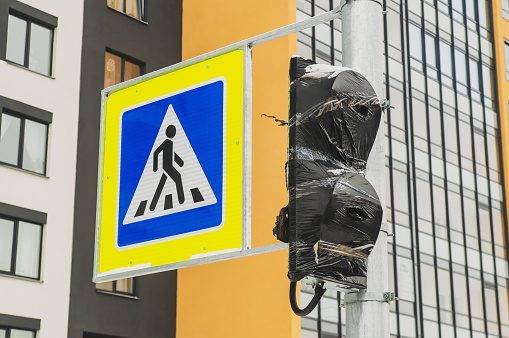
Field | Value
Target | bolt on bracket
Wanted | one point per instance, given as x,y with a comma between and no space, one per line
384,104
363,296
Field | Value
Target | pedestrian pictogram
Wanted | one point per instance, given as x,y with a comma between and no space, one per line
173,179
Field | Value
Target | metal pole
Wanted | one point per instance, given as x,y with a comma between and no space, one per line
367,314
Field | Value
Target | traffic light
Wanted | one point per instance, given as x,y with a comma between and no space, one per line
334,214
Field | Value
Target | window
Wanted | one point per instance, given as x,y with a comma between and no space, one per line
23,142
20,247
506,50
29,44
18,327
132,8
123,286
505,9
415,33
117,69
6,332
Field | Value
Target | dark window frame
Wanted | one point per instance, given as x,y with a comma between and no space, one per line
141,9
26,111
114,291
14,252
29,20
127,58
13,212
9,329
141,66
23,118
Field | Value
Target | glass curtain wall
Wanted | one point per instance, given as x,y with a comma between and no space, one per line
445,199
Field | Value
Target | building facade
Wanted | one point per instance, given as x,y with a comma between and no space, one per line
39,81
446,144
55,58
447,154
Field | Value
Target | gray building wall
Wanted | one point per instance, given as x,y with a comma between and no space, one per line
155,43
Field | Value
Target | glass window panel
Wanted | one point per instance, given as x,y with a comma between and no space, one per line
505,9
108,286
125,285
482,12
461,66
474,74
457,5
470,8
400,191
394,29
435,126
460,293
428,285
407,326
414,33
34,146
458,253
15,333
497,227
430,329
329,309
308,334
444,289
484,220
405,272
487,80
445,61
3,333
112,70
476,297
492,151
470,217
415,6
430,50
28,249
450,135
39,59
426,244
6,237
466,139
9,139
454,211
419,118
16,40
131,70
424,200
503,295
116,4
133,8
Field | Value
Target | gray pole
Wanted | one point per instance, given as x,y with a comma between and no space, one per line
367,314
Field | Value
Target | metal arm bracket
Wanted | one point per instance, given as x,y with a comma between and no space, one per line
363,296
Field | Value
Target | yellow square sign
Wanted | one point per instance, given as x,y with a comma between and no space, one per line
171,168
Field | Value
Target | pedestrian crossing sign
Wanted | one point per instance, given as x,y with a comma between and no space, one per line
171,168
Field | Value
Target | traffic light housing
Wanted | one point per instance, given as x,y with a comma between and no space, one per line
334,214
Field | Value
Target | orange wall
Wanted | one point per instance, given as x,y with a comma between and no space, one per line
501,26
245,297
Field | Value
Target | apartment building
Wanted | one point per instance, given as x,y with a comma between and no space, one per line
447,150
56,57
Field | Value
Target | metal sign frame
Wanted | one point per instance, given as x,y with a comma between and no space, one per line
246,250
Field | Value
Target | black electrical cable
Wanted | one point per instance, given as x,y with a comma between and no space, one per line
319,291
